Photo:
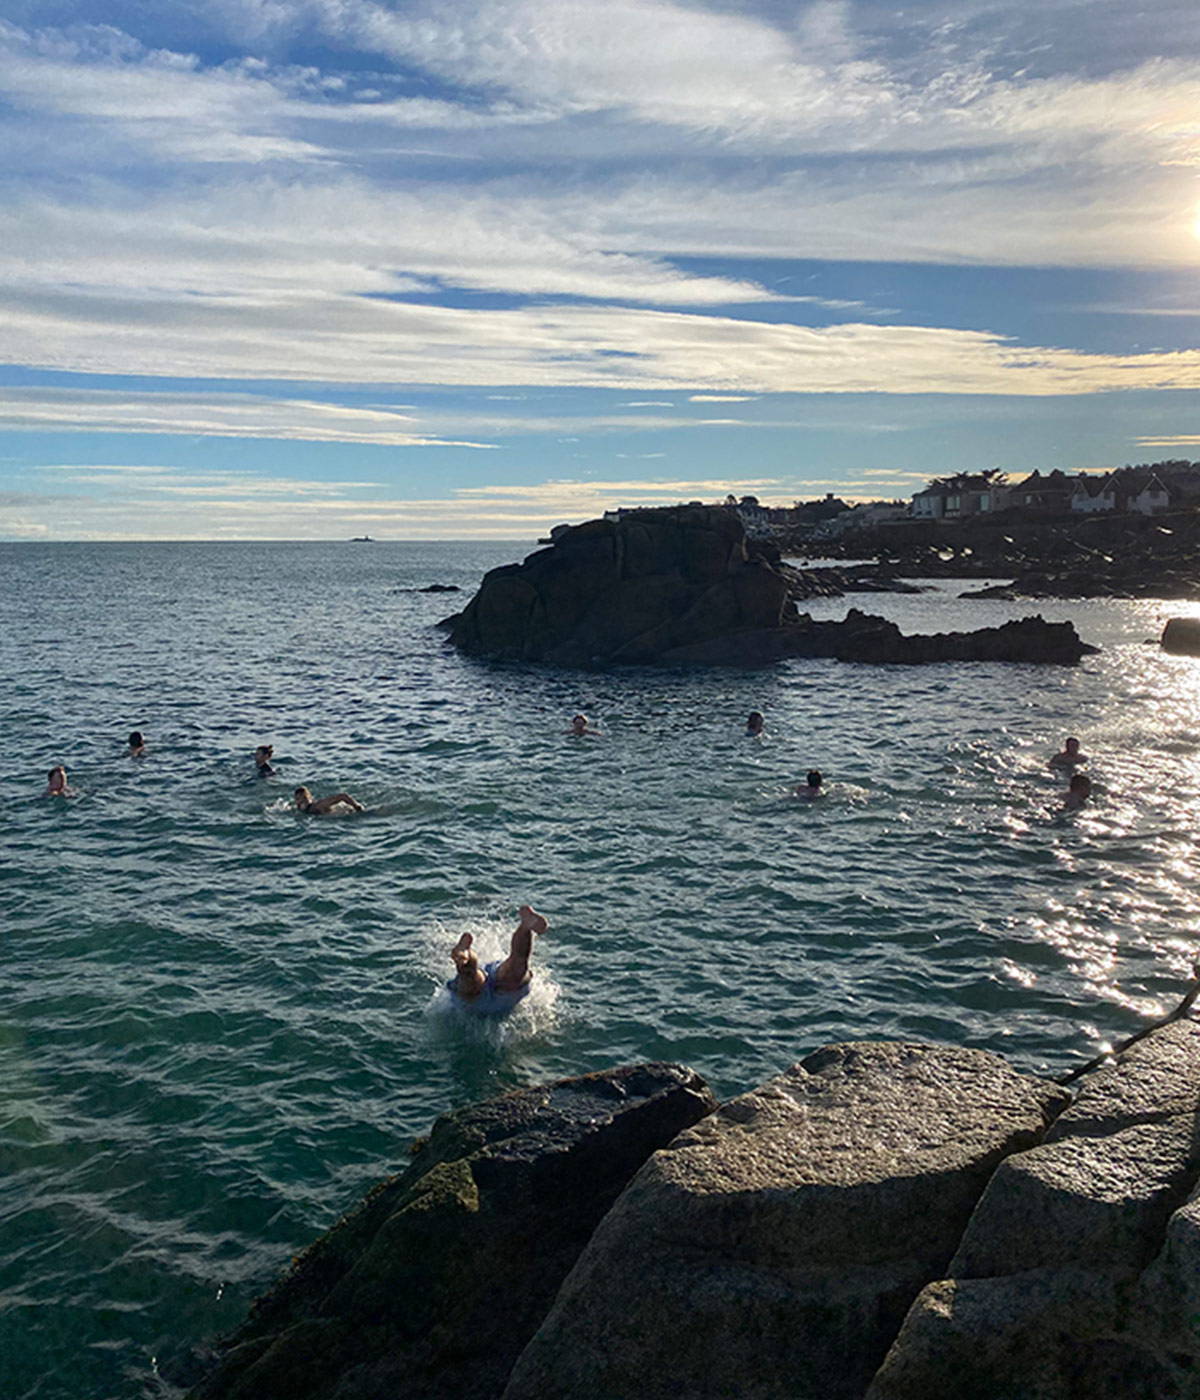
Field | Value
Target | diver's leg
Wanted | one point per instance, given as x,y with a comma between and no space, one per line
469,981
513,972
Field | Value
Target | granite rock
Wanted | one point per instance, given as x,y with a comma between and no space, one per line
773,1250
1077,1275
434,1284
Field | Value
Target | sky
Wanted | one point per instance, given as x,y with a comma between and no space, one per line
318,268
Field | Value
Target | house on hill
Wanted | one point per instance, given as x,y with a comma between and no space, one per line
1093,493
1148,495
1043,495
1131,489
964,494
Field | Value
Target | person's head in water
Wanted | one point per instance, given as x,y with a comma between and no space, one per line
1079,789
56,781
814,779
264,753
303,798
755,722
579,724
136,742
1071,748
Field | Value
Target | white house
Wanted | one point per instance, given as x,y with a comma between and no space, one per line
1094,493
929,504
754,517
1152,498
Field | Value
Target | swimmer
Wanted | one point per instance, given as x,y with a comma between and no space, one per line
56,783
262,757
322,806
137,745
496,988
812,791
580,727
1079,789
1069,757
755,724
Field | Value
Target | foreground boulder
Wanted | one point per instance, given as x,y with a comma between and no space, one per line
773,1250
435,1283
684,586
1079,1273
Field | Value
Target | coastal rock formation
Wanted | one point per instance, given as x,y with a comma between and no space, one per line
880,1222
773,1249
632,590
1065,556
684,586
1079,1273
435,1283
1182,636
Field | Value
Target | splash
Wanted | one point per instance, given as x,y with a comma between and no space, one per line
450,1019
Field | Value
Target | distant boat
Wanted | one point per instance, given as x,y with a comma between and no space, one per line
362,539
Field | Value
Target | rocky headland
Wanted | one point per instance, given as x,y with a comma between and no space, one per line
684,586
881,1221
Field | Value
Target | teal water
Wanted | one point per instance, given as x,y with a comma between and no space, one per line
219,1020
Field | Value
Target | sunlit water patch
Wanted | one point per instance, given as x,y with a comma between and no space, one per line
221,1019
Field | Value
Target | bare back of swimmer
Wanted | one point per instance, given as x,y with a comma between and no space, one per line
322,806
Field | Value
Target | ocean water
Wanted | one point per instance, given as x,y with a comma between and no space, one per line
220,1020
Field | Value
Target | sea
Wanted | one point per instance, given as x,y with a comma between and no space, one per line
221,1020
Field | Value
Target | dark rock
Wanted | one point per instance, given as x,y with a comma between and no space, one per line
773,1250
1182,636
433,1285
431,588
1032,639
1003,592
625,590
684,586
1077,1275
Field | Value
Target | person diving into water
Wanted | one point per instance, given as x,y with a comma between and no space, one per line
495,990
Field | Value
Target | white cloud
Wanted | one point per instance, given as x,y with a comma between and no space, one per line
357,340
168,503
210,415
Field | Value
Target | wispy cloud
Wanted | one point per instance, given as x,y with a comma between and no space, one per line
366,340
528,197
169,503
211,415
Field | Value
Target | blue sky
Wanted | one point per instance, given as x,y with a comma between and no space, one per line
314,268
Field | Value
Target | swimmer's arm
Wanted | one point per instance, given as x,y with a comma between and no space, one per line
341,797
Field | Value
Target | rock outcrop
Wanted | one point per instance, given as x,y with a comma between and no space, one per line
881,1222
772,1250
632,590
1182,636
1079,1273
683,586
435,1283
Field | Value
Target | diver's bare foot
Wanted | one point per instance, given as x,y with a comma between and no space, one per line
532,920
461,954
